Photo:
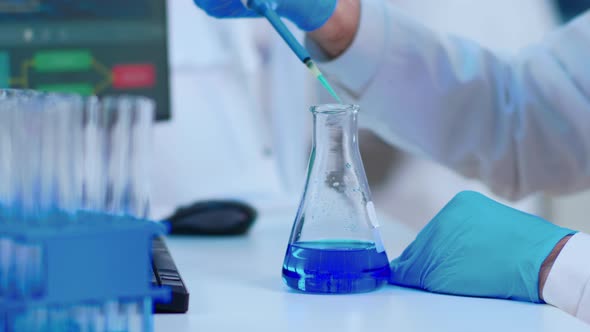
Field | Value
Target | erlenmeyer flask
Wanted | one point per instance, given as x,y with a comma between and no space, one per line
335,244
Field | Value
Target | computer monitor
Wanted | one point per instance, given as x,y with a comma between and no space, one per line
102,47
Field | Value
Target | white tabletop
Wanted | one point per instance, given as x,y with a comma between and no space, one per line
236,285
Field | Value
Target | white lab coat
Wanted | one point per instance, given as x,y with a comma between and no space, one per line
494,24
521,124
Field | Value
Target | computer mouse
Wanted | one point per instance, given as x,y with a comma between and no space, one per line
219,217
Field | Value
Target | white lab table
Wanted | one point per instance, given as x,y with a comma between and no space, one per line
236,285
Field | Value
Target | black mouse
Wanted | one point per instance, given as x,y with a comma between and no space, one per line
219,217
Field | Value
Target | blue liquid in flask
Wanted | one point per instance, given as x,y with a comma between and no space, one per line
335,267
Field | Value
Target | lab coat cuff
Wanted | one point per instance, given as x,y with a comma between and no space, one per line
357,66
566,285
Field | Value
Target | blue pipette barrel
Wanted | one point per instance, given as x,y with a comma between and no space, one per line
265,10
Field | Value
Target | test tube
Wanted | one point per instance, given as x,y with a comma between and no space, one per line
87,317
141,156
6,266
3,321
134,312
71,154
94,156
148,318
36,276
7,109
29,270
118,128
40,317
62,151
116,316
28,123
35,319
59,319
97,318
129,142
136,315
48,151
84,318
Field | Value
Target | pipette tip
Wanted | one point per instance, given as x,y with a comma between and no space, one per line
318,74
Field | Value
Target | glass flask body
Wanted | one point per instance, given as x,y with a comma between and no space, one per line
335,244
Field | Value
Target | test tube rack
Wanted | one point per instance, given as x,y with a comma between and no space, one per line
81,272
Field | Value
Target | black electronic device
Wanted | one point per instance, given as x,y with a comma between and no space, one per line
89,47
569,9
201,218
213,218
165,274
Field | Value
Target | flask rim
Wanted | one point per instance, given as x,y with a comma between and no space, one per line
331,109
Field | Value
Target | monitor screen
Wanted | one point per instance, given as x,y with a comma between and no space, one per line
102,47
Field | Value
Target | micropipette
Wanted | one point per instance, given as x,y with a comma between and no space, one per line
263,8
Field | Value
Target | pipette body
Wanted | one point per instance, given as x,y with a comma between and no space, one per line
265,9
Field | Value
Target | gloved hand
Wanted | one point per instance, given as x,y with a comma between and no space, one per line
478,247
308,15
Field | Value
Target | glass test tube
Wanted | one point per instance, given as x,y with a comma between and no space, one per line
28,128
28,270
62,148
7,109
140,162
7,274
31,320
94,156
3,322
45,169
128,133
118,127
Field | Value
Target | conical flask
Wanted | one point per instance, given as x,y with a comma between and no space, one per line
335,244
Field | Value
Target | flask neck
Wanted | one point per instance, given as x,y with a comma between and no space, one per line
336,133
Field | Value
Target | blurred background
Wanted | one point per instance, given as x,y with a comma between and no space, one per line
235,121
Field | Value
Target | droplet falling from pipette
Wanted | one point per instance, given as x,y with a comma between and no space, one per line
318,74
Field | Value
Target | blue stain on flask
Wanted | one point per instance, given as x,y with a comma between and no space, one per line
335,245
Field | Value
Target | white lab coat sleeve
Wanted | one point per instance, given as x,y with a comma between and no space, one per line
567,286
519,124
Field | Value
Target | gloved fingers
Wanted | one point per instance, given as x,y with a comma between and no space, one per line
225,8
308,15
402,273
439,243
476,246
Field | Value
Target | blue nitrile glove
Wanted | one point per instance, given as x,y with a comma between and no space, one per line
478,247
307,14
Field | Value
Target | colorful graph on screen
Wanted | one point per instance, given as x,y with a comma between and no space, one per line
86,46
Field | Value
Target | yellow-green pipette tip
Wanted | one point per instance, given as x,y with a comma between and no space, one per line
318,74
